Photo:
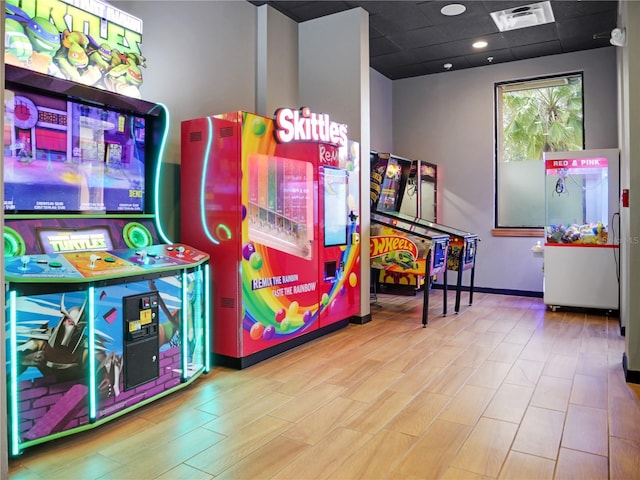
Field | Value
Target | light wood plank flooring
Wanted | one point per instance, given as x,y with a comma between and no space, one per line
506,389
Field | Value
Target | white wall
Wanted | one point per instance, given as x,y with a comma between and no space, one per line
448,119
381,112
330,67
277,62
201,58
629,65
333,61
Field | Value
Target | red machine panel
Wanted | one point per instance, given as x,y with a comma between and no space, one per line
280,220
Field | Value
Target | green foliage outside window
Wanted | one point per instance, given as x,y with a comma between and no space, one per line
537,120
536,116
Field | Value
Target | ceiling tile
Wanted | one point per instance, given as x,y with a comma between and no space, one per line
382,46
409,38
420,37
465,28
577,33
310,10
531,35
497,56
395,59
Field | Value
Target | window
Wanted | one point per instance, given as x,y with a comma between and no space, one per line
532,117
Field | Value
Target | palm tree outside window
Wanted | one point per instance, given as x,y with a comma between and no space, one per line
532,117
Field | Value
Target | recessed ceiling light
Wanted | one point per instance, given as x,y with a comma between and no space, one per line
479,44
453,9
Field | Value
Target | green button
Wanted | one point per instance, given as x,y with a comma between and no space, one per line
109,259
55,264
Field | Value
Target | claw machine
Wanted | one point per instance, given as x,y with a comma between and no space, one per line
581,252
275,202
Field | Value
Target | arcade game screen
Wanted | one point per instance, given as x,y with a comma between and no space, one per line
63,156
393,174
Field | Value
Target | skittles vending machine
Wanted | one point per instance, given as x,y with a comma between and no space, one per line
274,202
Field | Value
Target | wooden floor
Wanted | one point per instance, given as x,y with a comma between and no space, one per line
504,389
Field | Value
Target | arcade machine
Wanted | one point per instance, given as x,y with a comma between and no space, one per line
581,255
406,248
421,196
103,315
461,254
462,246
390,176
277,209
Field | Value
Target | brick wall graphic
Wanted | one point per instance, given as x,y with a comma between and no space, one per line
48,407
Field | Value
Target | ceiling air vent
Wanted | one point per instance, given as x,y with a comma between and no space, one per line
524,16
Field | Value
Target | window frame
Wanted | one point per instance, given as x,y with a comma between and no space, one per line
522,231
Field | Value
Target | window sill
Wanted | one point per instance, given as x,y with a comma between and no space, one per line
517,232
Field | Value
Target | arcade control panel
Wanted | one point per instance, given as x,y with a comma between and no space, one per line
94,265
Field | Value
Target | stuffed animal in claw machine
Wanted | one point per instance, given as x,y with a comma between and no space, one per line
602,235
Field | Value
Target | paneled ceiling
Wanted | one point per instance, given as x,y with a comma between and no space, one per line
408,39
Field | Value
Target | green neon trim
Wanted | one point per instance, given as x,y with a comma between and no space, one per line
205,166
104,420
13,352
226,230
92,355
13,243
207,327
136,235
185,330
156,193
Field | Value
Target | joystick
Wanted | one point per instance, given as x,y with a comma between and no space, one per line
143,256
25,260
92,260
180,251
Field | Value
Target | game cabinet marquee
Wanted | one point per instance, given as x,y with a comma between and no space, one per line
304,125
383,244
91,17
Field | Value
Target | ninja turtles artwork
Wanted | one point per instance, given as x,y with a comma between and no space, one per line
50,363
35,43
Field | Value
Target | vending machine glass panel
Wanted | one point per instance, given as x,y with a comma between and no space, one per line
281,203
